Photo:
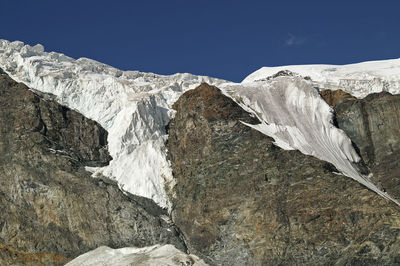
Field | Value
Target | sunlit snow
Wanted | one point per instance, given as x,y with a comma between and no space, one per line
358,79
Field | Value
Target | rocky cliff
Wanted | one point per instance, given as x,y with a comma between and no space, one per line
52,210
241,200
373,124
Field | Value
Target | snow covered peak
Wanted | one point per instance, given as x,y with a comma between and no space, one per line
358,79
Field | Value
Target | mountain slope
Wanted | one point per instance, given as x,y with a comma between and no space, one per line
52,210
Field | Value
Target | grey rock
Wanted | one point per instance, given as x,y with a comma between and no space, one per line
373,124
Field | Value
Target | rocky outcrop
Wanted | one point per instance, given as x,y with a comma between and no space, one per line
334,97
52,210
373,124
241,200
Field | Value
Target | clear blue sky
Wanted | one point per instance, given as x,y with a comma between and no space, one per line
225,39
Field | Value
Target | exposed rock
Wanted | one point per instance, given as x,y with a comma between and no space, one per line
373,124
334,97
52,210
240,200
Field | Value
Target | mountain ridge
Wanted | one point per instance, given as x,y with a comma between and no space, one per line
135,108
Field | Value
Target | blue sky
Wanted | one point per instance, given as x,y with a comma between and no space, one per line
225,39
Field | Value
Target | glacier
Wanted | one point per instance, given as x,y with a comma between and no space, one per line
135,108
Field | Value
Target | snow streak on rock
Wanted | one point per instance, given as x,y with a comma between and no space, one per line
294,114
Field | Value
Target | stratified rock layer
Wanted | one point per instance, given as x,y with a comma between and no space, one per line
240,200
373,124
51,209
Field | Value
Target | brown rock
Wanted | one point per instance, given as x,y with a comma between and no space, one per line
334,97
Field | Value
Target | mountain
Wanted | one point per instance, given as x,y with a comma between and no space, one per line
295,164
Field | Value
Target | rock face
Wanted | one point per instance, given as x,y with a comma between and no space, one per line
51,209
373,124
334,97
240,200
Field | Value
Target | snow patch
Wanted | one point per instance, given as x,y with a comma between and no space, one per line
151,256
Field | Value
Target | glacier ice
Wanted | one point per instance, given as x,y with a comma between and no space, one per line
134,107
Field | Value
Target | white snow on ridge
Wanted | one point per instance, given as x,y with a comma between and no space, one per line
134,108
293,113
358,79
150,256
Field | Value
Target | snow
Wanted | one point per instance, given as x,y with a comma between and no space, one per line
134,107
358,79
150,256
